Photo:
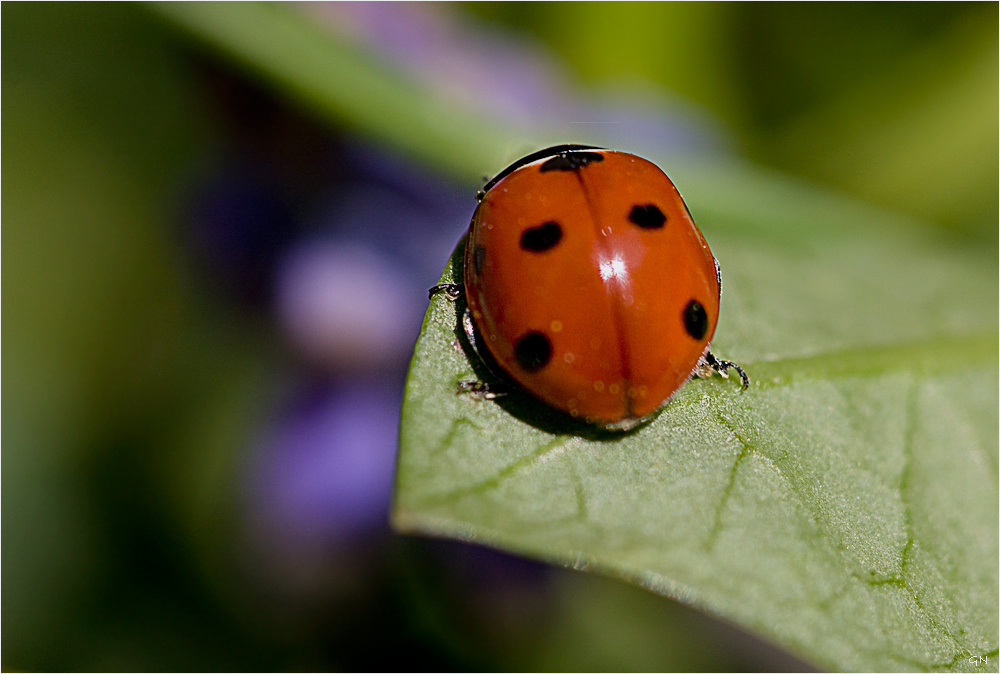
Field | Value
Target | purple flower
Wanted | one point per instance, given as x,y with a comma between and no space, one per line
320,482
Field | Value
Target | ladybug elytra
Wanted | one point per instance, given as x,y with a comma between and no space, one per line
589,284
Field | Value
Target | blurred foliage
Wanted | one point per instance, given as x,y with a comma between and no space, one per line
338,82
894,102
121,398
133,387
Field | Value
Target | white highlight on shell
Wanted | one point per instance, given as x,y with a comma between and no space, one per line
613,269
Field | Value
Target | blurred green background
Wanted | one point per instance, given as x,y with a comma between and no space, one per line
894,102
146,354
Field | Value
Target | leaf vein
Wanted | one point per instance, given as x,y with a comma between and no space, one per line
539,454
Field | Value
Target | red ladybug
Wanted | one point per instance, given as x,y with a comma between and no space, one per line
589,284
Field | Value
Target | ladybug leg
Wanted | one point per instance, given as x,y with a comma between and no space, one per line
478,389
710,364
452,291
482,390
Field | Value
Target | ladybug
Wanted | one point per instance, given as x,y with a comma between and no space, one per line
589,285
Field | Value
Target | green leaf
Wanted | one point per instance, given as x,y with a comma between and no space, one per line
844,507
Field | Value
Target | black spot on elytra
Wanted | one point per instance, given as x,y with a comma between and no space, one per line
479,258
647,217
570,161
533,351
542,238
695,319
